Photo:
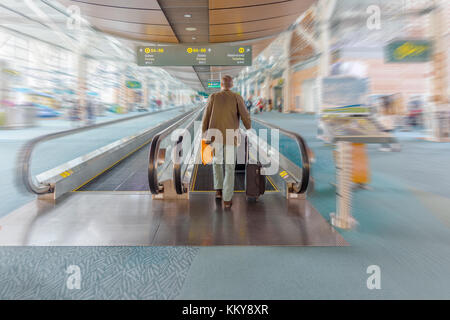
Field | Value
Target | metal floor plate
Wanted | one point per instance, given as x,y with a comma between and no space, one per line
203,180
123,218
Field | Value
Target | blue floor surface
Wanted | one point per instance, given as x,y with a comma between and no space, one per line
404,228
399,230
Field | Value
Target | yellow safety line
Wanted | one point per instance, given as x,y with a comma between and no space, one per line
236,191
195,177
126,156
272,183
109,191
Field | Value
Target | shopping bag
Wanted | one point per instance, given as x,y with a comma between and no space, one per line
207,152
360,164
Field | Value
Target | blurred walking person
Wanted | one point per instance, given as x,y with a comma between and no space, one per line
223,112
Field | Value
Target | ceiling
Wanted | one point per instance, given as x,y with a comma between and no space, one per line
140,22
253,22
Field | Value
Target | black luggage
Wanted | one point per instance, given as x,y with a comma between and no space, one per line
255,182
241,156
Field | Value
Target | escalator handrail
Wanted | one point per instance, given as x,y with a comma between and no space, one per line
23,169
177,174
303,147
154,151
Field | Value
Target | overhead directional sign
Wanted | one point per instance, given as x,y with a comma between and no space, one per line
194,55
408,51
133,84
214,84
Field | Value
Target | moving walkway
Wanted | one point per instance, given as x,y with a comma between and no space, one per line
153,190
189,175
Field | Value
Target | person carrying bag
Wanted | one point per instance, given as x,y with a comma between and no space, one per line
224,110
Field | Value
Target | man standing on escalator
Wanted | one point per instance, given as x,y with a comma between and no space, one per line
223,112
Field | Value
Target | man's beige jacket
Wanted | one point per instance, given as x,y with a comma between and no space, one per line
223,111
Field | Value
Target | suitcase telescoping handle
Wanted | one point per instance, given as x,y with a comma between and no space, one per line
248,144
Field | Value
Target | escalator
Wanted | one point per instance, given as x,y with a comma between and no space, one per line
130,173
127,175
189,175
161,194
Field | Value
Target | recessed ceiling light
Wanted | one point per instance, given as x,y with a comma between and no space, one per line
188,15
191,29
194,38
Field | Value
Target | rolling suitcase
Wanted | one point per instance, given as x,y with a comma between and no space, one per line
241,156
255,182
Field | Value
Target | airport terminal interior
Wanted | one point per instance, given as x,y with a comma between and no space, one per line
106,171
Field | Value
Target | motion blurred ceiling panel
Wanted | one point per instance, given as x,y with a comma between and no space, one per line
251,26
184,14
257,11
141,20
150,29
259,46
301,49
136,4
247,35
249,22
189,22
222,4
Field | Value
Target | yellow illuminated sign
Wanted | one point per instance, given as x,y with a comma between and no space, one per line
154,50
408,51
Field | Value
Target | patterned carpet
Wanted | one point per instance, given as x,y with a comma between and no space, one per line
106,272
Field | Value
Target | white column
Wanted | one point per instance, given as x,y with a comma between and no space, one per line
439,109
81,82
324,12
440,55
343,217
287,73
267,87
123,99
144,101
3,84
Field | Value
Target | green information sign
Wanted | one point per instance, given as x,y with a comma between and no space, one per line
408,51
133,84
194,55
214,84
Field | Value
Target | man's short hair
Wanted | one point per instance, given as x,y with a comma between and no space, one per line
227,78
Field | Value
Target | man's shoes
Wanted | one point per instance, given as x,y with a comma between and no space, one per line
218,194
227,204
